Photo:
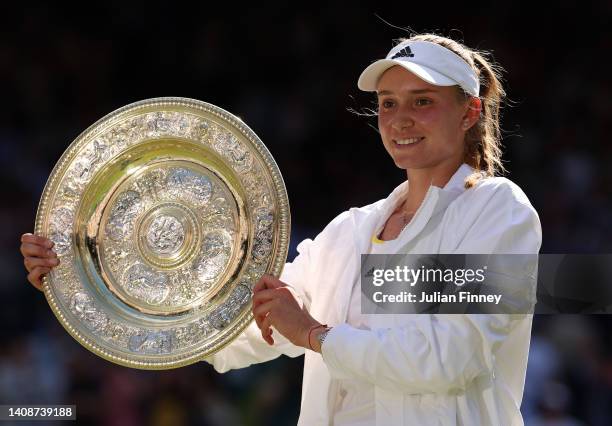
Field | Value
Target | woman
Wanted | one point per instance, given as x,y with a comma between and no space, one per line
438,105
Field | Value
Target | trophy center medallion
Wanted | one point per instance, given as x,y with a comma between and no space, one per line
165,235
168,235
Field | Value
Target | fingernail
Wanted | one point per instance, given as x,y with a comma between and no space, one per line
50,244
51,253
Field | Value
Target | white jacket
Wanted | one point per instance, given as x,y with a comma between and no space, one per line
428,369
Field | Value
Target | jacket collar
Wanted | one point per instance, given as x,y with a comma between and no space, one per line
454,187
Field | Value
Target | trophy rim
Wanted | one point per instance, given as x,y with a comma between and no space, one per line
274,267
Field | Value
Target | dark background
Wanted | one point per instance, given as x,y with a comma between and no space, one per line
290,73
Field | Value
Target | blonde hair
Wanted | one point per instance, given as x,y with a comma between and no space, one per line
483,140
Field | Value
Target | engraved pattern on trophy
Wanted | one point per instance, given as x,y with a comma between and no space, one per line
156,217
116,334
152,186
96,153
216,251
192,333
151,342
83,307
60,229
145,284
224,314
184,184
230,147
125,210
262,245
166,123
165,234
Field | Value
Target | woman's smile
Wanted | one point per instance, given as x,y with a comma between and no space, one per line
408,141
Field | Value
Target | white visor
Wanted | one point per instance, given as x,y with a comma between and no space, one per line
428,61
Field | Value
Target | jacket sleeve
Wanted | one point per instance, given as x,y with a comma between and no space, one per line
434,352
249,347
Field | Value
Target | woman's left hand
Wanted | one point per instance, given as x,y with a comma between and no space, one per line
276,304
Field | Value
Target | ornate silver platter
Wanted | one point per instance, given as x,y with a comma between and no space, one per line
164,214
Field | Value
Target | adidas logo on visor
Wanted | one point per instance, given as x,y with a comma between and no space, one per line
404,53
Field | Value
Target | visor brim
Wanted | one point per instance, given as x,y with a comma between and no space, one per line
368,80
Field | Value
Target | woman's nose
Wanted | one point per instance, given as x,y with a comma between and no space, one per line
402,123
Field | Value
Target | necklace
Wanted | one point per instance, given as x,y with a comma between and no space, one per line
406,218
405,215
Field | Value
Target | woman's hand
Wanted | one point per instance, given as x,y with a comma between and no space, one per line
276,304
38,257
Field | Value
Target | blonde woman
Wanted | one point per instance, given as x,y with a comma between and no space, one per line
438,116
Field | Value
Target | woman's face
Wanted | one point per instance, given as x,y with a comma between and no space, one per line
421,125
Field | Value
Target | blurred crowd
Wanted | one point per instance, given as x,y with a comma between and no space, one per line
290,73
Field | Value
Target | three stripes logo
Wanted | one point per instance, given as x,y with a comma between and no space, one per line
404,53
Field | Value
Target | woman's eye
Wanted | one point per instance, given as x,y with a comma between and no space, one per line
387,104
422,101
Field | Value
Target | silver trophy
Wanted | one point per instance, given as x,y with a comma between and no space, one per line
164,214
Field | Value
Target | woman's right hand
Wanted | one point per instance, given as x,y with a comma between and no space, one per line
38,257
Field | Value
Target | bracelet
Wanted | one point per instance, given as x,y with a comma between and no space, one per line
314,327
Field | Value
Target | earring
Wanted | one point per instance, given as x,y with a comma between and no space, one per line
465,124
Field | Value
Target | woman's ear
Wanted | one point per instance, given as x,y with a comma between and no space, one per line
472,114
